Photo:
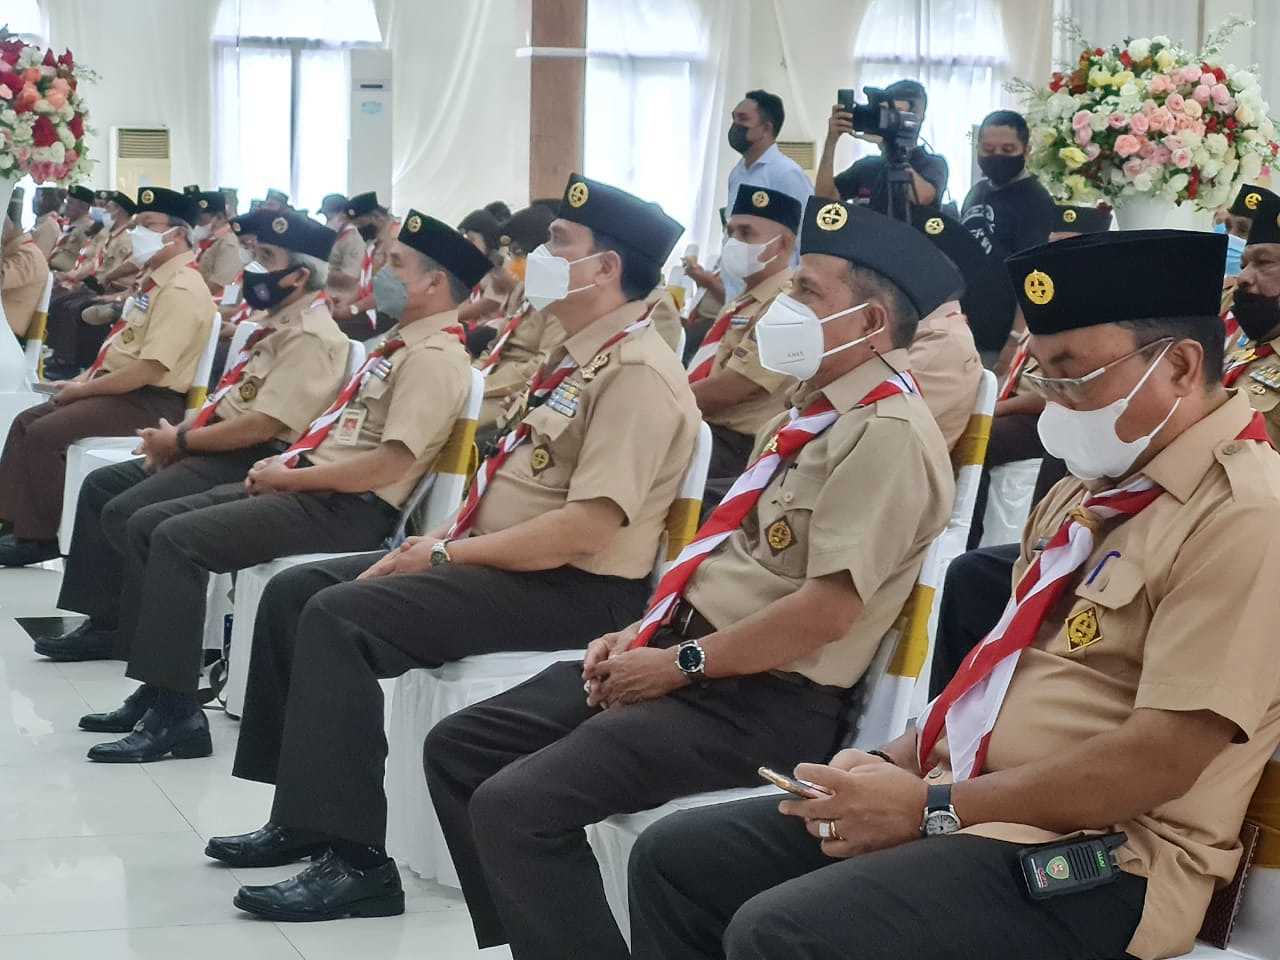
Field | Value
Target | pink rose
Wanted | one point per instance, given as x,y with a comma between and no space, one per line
1133,167
1220,93
1092,151
1160,155
1193,109
31,75
1183,122
60,85
1162,119
56,99
1182,158
1117,121
1207,78
1159,84
1084,135
1189,74
1139,123
1175,102
1146,149
1127,145
1149,106
1081,120
5,92
1201,94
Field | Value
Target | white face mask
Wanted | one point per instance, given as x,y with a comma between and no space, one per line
108,221
546,277
1087,439
146,244
202,232
789,336
741,260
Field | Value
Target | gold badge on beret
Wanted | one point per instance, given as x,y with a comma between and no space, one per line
598,363
236,227
280,225
540,459
1252,200
248,391
351,212
204,204
414,224
760,199
1083,629
779,536
934,226
1069,216
1038,287
578,194
832,217
147,196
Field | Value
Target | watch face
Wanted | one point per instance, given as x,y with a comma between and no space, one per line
940,822
690,659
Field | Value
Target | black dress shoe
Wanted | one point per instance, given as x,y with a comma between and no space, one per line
124,718
85,642
329,889
268,846
23,553
157,736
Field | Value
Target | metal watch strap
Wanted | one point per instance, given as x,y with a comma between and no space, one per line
937,797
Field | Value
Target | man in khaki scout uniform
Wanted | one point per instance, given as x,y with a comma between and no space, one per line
23,275
747,658
141,375
553,547
348,249
1137,691
289,372
377,230
217,249
737,396
338,488
75,233
46,230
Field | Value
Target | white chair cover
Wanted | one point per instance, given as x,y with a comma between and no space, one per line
38,333
1013,486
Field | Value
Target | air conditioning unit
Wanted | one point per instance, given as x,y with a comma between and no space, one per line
369,146
803,152
139,158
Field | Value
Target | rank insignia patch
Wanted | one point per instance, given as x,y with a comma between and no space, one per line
1083,629
1267,374
127,335
564,399
248,391
540,459
598,363
779,536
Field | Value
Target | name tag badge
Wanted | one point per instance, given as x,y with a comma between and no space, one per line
739,321
346,432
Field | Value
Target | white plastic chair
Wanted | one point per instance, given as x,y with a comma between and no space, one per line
1009,501
36,334
437,497
424,697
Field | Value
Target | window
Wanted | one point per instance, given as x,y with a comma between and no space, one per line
281,94
25,17
956,48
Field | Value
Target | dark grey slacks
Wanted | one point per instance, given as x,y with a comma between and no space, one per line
741,881
977,588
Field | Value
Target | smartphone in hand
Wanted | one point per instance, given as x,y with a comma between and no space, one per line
800,788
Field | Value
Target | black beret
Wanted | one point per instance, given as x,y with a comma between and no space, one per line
529,228
211,201
278,195
1118,275
484,223
1266,217
363,203
162,200
896,251
1247,200
641,227
446,246
334,203
191,189
1081,219
246,223
285,228
116,197
753,201
988,298
81,193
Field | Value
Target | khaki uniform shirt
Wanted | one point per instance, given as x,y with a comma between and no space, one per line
620,427
665,316
220,263
295,371
1179,619
945,362
867,496
23,275
173,329
67,248
538,334
1260,381
119,248
348,253
45,232
416,403
739,352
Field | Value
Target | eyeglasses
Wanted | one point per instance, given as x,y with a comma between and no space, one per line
1073,389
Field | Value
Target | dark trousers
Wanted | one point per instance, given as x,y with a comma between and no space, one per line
515,780
33,466
171,548
1013,438
313,711
730,451
74,342
977,588
743,882
93,581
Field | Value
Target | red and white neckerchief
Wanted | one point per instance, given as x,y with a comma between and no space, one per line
229,379
970,704
540,387
1236,368
365,286
1230,324
705,357
742,497
204,245
83,257
508,330
1016,366
148,285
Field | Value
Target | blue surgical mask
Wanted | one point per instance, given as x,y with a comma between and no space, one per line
1235,250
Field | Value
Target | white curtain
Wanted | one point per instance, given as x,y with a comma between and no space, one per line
253,91
1105,22
332,22
957,49
25,17
320,155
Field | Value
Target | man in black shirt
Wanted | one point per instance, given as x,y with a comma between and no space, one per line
1007,205
867,180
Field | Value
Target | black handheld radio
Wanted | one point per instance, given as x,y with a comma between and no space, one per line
1057,869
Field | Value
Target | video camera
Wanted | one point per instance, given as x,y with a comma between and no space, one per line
900,129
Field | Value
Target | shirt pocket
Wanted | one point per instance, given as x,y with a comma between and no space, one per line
553,447
784,511
1109,613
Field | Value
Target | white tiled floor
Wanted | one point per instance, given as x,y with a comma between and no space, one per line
107,863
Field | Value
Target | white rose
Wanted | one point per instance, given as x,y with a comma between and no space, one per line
1267,128
1142,183
1209,169
1129,91
1165,60
1200,156
8,117
1242,80
1251,136
67,137
1190,139
1098,122
1140,49
1216,144
1179,181
1162,40
1251,166
1244,114
1116,175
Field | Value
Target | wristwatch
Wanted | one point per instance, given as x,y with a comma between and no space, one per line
181,440
440,554
691,658
940,816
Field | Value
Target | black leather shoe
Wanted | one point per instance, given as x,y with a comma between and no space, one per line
123,718
268,846
23,553
85,642
156,737
329,889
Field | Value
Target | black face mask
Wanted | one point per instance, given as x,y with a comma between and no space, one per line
738,138
369,233
1001,169
262,291
1258,316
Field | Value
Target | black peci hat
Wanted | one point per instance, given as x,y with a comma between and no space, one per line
446,246
81,193
1266,216
363,203
1247,200
988,299
285,228
753,201
212,201
1081,219
162,200
646,234
120,199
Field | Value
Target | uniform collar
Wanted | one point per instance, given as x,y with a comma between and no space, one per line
846,391
944,316
293,312
1180,466
167,271
13,243
766,289
586,343
419,330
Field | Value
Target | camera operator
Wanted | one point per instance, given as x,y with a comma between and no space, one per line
867,180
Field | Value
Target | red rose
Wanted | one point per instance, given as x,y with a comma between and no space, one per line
66,60
11,80
1126,60
1232,123
1275,148
76,126
10,50
1220,74
42,132
1099,52
1211,125
49,61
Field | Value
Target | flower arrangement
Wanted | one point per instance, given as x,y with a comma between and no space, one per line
42,118
1147,118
